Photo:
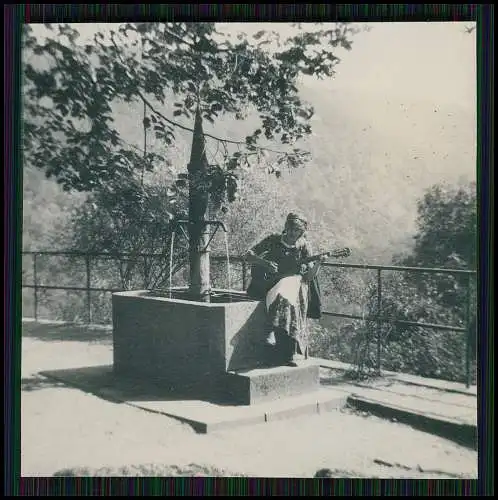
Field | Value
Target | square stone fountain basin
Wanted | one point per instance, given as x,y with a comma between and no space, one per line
210,349
182,340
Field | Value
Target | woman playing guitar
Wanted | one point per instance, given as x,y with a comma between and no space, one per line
283,273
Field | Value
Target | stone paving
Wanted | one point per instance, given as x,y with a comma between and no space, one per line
64,427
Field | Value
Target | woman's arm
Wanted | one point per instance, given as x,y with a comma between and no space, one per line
251,258
253,255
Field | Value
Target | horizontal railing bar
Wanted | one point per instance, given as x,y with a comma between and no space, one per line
92,254
434,326
69,253
343,315
400,268
238,258
73,288
107,254
233,258
398,321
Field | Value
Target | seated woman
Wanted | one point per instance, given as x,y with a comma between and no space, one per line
288,285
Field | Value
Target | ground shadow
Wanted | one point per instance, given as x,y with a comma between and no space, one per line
103,382
30,384
52,332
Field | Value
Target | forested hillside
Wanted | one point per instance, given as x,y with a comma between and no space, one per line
371,161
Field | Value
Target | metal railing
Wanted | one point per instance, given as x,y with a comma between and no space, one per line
88,256
378,318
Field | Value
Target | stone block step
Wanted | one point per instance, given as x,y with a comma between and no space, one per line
259,385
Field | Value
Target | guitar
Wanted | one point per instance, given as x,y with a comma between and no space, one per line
262,279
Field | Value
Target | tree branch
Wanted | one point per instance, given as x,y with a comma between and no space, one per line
188,129
178,38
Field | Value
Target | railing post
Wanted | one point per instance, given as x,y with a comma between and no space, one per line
146,273
379,323
244,275
88,294
35,283
468,331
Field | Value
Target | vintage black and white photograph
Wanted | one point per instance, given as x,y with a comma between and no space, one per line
249,250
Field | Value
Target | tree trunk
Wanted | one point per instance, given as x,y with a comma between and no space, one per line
200,285
199,262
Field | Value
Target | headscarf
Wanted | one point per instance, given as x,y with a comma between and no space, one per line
297,220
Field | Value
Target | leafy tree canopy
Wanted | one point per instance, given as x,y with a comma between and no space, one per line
447,228
446,237
69,130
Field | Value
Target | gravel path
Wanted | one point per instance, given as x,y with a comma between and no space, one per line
64,428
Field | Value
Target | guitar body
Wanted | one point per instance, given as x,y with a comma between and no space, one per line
262,280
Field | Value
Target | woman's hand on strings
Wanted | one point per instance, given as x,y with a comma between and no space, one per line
304,269
309,271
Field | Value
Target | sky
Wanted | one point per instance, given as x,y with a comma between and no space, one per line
425,61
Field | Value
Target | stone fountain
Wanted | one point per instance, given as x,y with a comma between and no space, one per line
213,347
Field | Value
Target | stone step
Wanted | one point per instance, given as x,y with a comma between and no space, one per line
202,414
259,385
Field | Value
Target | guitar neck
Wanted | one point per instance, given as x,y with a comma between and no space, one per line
260,272
318,256
337,253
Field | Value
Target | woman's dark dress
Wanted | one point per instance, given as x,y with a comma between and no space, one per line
286,317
